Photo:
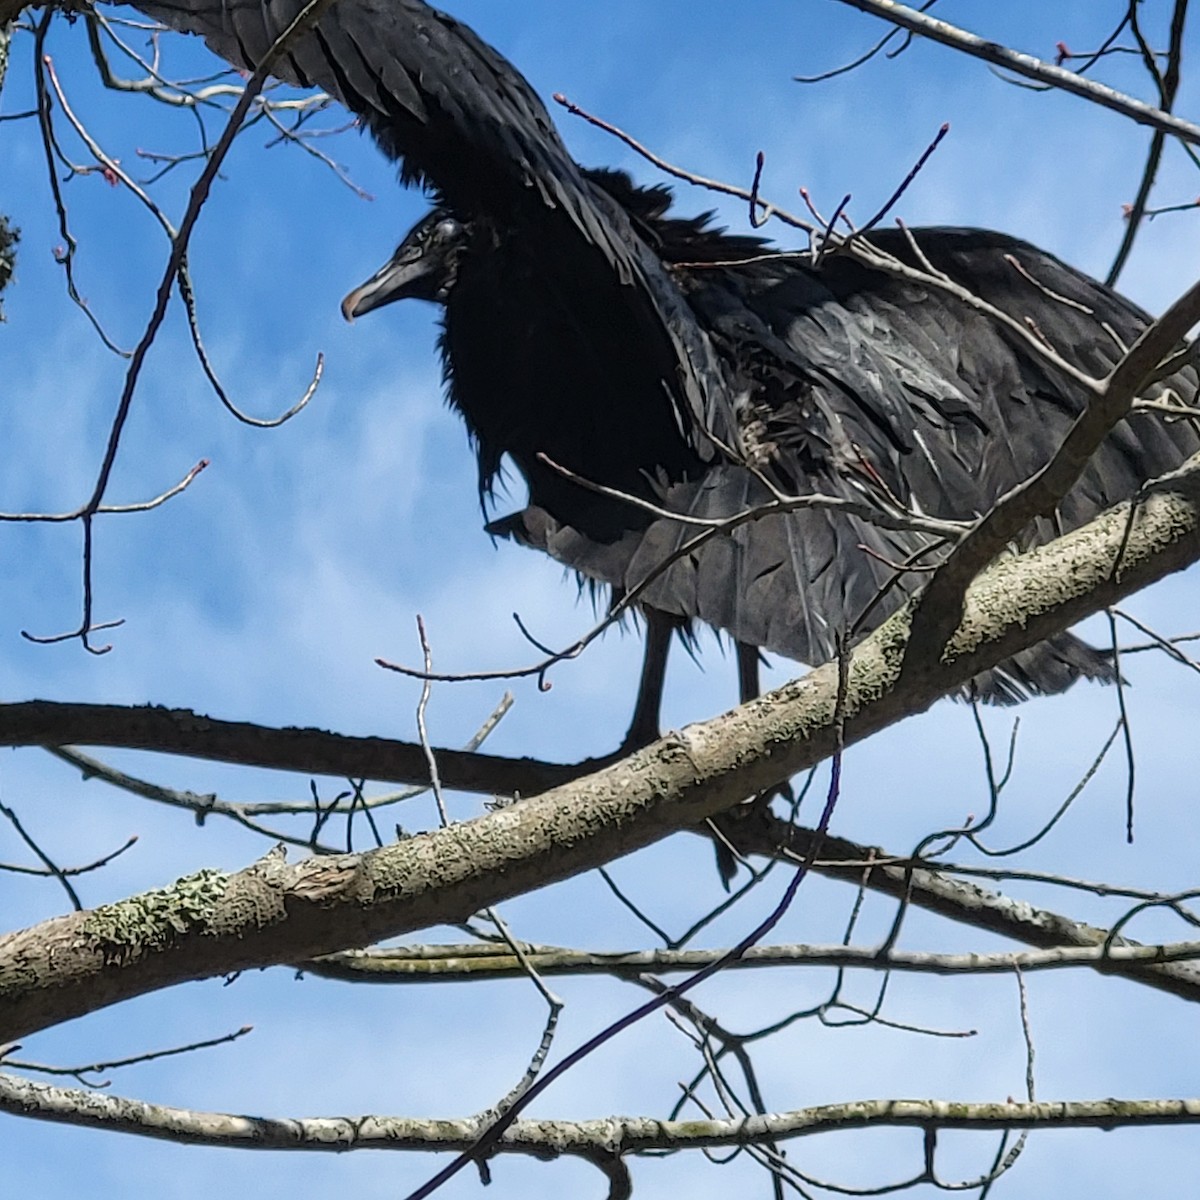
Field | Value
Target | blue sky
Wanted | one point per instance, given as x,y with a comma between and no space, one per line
266,592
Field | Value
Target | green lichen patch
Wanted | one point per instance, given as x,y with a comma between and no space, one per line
8,243
154,919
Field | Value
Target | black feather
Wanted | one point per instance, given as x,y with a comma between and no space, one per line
672,362
840,379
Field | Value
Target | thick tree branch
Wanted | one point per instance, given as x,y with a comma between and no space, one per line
754,830
308,751
213,924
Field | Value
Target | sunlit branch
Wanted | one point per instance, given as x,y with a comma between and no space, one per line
547,1138
136,506
1028,66
454,963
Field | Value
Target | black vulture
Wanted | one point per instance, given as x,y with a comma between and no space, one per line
849,382
576,329
617,337
616,346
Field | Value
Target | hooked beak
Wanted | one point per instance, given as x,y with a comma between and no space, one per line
401,278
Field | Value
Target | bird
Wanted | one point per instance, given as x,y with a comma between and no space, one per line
593,338
849,382
617,346
425,266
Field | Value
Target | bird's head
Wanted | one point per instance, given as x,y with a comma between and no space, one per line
424,267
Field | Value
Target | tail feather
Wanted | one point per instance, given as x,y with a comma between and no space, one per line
1046,669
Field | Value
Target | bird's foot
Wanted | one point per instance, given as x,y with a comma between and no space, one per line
729,830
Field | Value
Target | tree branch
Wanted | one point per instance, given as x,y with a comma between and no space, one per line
762,833
447,963
213,923
549,1139
308,751
939,604
1028,66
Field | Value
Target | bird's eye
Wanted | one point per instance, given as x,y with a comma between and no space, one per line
447,228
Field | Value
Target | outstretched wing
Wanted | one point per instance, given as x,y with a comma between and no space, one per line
462,119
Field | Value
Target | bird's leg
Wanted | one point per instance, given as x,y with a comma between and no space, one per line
748,658
643,729
728,859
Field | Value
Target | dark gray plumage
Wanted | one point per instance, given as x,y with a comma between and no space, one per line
575,328
463,121
846,381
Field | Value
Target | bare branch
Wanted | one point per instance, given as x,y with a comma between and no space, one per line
936,890
447,963
1028,66
548,1139
272,912
99,1068
308,751
175,264
1168,86
137,506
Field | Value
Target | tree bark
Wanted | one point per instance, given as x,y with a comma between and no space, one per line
212,924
